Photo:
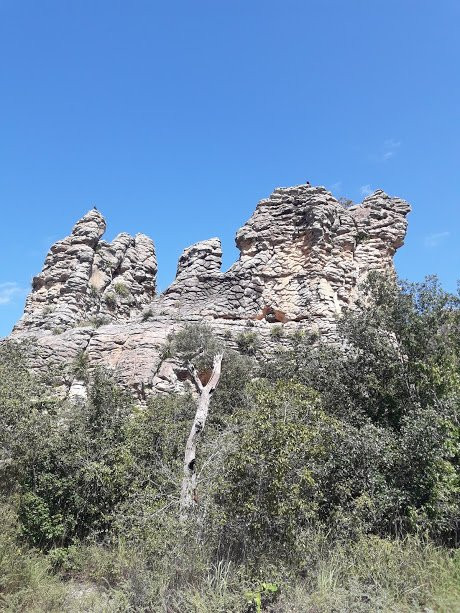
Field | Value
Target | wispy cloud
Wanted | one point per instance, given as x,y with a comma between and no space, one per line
433,240
335,187
9,291
390,147
366,190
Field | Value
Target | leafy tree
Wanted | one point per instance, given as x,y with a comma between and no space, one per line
397,371
268,490
79,473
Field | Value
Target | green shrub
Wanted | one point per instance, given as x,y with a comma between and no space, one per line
195,342
111,300
121,289
94,322
94,292
79,366
248,343
80,471
277,332
267,490
394,390
147,314
26,583
346,202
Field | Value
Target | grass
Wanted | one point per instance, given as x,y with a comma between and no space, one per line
121,289
111,300
370,575
27,583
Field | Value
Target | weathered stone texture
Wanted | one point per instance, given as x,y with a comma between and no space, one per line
85,279
303,256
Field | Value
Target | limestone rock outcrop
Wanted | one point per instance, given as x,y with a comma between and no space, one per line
303,256
85,279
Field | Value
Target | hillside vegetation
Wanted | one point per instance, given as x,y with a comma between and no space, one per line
328,476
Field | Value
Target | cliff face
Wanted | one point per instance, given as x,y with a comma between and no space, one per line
302,259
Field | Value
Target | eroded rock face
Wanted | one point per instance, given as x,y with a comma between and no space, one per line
302,259
86,280
303,256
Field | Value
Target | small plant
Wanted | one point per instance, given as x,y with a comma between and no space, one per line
83,323
266,594
361,238
48,309
103,264
227,335
79,366
277,332
147,314
121,289
57,331
94,292
111,300
93,322
99,321
346,202
248,343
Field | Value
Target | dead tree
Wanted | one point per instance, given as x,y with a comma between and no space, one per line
188,490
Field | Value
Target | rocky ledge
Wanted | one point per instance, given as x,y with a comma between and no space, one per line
303,256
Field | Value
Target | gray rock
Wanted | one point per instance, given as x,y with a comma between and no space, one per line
85,279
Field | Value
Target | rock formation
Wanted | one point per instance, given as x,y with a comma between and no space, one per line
84,277
303,256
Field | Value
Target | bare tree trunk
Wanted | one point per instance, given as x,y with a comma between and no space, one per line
188,490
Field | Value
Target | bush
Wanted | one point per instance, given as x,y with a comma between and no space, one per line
26,583
111,300
79,366
94,292
267,490
25,410
147,314
393,386
248,343
277,332
121,289
194,343
76,477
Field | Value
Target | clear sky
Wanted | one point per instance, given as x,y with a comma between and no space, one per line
175,117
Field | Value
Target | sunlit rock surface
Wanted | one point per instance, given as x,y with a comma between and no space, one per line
303,257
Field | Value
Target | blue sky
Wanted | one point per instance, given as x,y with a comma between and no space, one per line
176,117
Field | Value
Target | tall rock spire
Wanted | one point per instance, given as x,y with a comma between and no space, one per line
84,277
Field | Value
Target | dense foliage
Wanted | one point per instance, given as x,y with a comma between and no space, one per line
328,475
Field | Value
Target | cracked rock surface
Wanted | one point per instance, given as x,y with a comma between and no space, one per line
303,256
85,278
